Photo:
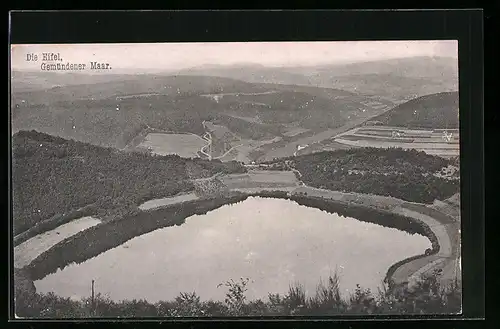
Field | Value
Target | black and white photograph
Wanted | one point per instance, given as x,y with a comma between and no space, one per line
235,179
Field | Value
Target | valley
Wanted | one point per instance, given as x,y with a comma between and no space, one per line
369,152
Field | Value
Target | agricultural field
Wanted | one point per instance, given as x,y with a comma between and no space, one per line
437,142
444,150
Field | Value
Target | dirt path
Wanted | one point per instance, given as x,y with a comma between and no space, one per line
228,151
27,251
207,137
447,257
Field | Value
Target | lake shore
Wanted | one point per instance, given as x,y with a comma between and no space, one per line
40,267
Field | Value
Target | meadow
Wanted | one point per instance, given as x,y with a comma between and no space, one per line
261,178
183,145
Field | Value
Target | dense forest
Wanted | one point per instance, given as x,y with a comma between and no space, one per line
428,296
52,175
403,174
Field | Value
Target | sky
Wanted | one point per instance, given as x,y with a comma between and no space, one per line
174,56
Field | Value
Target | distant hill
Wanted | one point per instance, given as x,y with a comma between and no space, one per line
391,87
87,112
251,73
22,81
431,111
394,79
111,113
97,87
411,67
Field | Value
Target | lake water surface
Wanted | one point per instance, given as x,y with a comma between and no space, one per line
274,242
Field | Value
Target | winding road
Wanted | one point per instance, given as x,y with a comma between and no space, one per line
208,138
447,232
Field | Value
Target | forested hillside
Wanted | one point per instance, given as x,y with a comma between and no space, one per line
430,111
407,175
52,175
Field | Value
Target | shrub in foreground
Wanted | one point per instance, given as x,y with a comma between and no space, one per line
424,297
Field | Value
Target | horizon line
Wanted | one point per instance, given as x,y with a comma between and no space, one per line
245,63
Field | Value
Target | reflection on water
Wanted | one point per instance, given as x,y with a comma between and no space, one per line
274,242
